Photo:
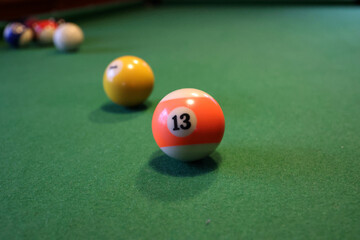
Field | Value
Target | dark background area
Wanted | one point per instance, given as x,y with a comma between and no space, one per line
19,9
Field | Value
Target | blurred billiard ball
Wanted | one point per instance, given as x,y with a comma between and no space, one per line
17,34
128,81
44,31
188,124
68,37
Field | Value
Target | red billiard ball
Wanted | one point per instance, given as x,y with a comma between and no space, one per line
44,31
188,124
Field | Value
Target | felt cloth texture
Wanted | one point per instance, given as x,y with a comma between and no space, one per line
74,165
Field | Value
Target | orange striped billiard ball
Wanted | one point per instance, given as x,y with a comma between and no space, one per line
188,124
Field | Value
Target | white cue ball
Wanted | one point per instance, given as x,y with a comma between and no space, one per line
68,37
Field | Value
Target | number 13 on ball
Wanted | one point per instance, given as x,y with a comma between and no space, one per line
188,124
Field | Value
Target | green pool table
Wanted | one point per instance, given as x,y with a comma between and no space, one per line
75,166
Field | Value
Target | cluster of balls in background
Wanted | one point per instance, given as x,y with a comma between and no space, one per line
65,36
188,124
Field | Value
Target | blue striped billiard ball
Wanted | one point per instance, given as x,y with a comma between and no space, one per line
17,35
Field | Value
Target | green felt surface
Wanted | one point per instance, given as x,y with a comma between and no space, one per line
72,165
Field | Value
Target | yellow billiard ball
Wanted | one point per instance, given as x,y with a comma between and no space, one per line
128,81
